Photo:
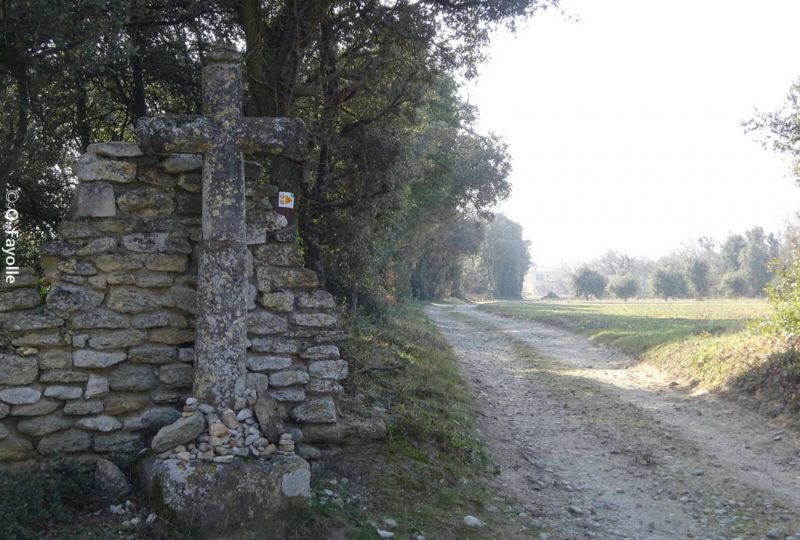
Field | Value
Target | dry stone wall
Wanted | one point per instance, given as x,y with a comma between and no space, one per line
107,359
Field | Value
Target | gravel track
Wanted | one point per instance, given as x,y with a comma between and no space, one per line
595,445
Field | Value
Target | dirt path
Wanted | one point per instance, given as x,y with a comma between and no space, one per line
595,446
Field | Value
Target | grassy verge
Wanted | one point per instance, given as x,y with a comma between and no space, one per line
433,470
710,343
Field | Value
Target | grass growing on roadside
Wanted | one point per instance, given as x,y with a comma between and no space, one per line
637,327
711,343
433,470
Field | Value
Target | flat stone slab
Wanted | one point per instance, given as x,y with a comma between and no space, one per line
242,499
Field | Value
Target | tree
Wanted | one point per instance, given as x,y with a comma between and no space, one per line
780,130
588,283
731,251
506,258
669,283
698,274
759,249
624,286
733,285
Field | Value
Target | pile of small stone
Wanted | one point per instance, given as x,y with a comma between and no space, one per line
229,434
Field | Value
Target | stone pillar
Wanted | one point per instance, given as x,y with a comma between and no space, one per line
221,329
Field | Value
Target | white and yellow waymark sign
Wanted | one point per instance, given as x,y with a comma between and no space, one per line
285,199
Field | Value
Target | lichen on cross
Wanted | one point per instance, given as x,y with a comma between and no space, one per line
222,135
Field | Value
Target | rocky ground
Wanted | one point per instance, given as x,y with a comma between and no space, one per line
596,446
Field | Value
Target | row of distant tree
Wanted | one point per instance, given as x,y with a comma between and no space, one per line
740,267
477,258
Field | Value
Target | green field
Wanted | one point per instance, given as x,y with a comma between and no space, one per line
637,327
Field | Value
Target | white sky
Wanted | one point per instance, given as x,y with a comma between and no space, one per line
624,127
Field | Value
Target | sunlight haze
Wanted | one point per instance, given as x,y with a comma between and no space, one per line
624,123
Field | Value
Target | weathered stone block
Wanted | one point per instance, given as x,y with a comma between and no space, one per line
316,320
151,320
39,408
20,396
256,234
182,163
152,354
152,419
261,362
179,375
192,183
186,354
72,440
133,299
77,267
5,410
292,278
118,443
322,411
116,339
132,378
95,200
183,430
63,376
82,407
167,262
116,262
41,339
91,167
321,352
146,242
293,394
14,448
267,490
278,301
111,480
154,177
146,203
96,387
169,395
172,336
64,298
43,425
182,297
288,378
97,247
58,248
72,230
316,300
55,359
97,359
257,381
264,323
115,149
16,299
328,369
273,345
120,403
324,386
64,392
102,423
33,321
99,318
17,370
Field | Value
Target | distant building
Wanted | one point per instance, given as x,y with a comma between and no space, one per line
540,281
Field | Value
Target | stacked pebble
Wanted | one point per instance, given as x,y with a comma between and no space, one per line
235,433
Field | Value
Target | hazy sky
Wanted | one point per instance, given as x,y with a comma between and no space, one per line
624,126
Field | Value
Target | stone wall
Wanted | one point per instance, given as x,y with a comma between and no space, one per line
107,359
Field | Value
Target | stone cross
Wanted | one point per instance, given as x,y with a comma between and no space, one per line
222,135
